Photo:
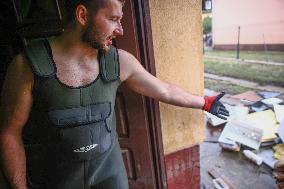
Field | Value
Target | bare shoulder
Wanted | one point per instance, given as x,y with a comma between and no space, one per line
19,65
19,72
124,54
128,64
19,79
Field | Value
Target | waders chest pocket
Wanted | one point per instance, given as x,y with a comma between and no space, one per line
81,133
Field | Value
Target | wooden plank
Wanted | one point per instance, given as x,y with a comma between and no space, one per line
214,174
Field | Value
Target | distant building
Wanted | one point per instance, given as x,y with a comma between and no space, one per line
261,24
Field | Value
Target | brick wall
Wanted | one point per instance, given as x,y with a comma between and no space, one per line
183,169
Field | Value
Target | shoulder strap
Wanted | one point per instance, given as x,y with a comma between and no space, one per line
39,57
109,64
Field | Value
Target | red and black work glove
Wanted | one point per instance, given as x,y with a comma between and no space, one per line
215,107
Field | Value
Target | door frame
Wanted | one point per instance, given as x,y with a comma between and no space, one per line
144,33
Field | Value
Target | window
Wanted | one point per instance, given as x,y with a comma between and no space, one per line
206,5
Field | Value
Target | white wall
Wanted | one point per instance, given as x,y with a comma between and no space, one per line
258,19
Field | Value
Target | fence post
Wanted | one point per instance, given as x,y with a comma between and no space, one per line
238,46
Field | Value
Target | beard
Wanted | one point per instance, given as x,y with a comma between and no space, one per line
94,38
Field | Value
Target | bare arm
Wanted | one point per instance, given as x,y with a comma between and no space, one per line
16,101
139,80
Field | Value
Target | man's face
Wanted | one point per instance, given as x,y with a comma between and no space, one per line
104,26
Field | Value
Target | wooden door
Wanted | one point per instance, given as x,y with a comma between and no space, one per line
138,123
131,110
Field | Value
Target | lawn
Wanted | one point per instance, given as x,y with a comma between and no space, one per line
272,56
262,74
225,86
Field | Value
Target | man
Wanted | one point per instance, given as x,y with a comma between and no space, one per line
57,106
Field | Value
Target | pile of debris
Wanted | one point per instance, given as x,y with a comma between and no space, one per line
255,128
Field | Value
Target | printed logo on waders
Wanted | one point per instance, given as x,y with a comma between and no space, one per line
85,148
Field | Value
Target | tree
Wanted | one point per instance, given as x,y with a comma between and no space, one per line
207,25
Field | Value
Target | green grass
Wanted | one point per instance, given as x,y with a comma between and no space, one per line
225,86
229,88
273,56
262,74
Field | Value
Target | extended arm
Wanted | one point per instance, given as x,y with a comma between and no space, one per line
138,79
16,101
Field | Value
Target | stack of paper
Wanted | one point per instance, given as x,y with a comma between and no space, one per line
265,120
243,133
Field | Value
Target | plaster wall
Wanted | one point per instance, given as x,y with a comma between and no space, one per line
177,39
260,21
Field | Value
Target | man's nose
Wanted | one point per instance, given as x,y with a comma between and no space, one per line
119,30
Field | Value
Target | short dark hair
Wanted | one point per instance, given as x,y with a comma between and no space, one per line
95,5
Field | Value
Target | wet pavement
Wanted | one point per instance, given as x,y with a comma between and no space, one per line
233,166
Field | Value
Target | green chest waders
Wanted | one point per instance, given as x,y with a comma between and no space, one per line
70,137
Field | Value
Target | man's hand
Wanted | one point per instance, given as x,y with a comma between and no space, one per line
215,107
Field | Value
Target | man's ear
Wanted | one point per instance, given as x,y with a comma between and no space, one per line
81,15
